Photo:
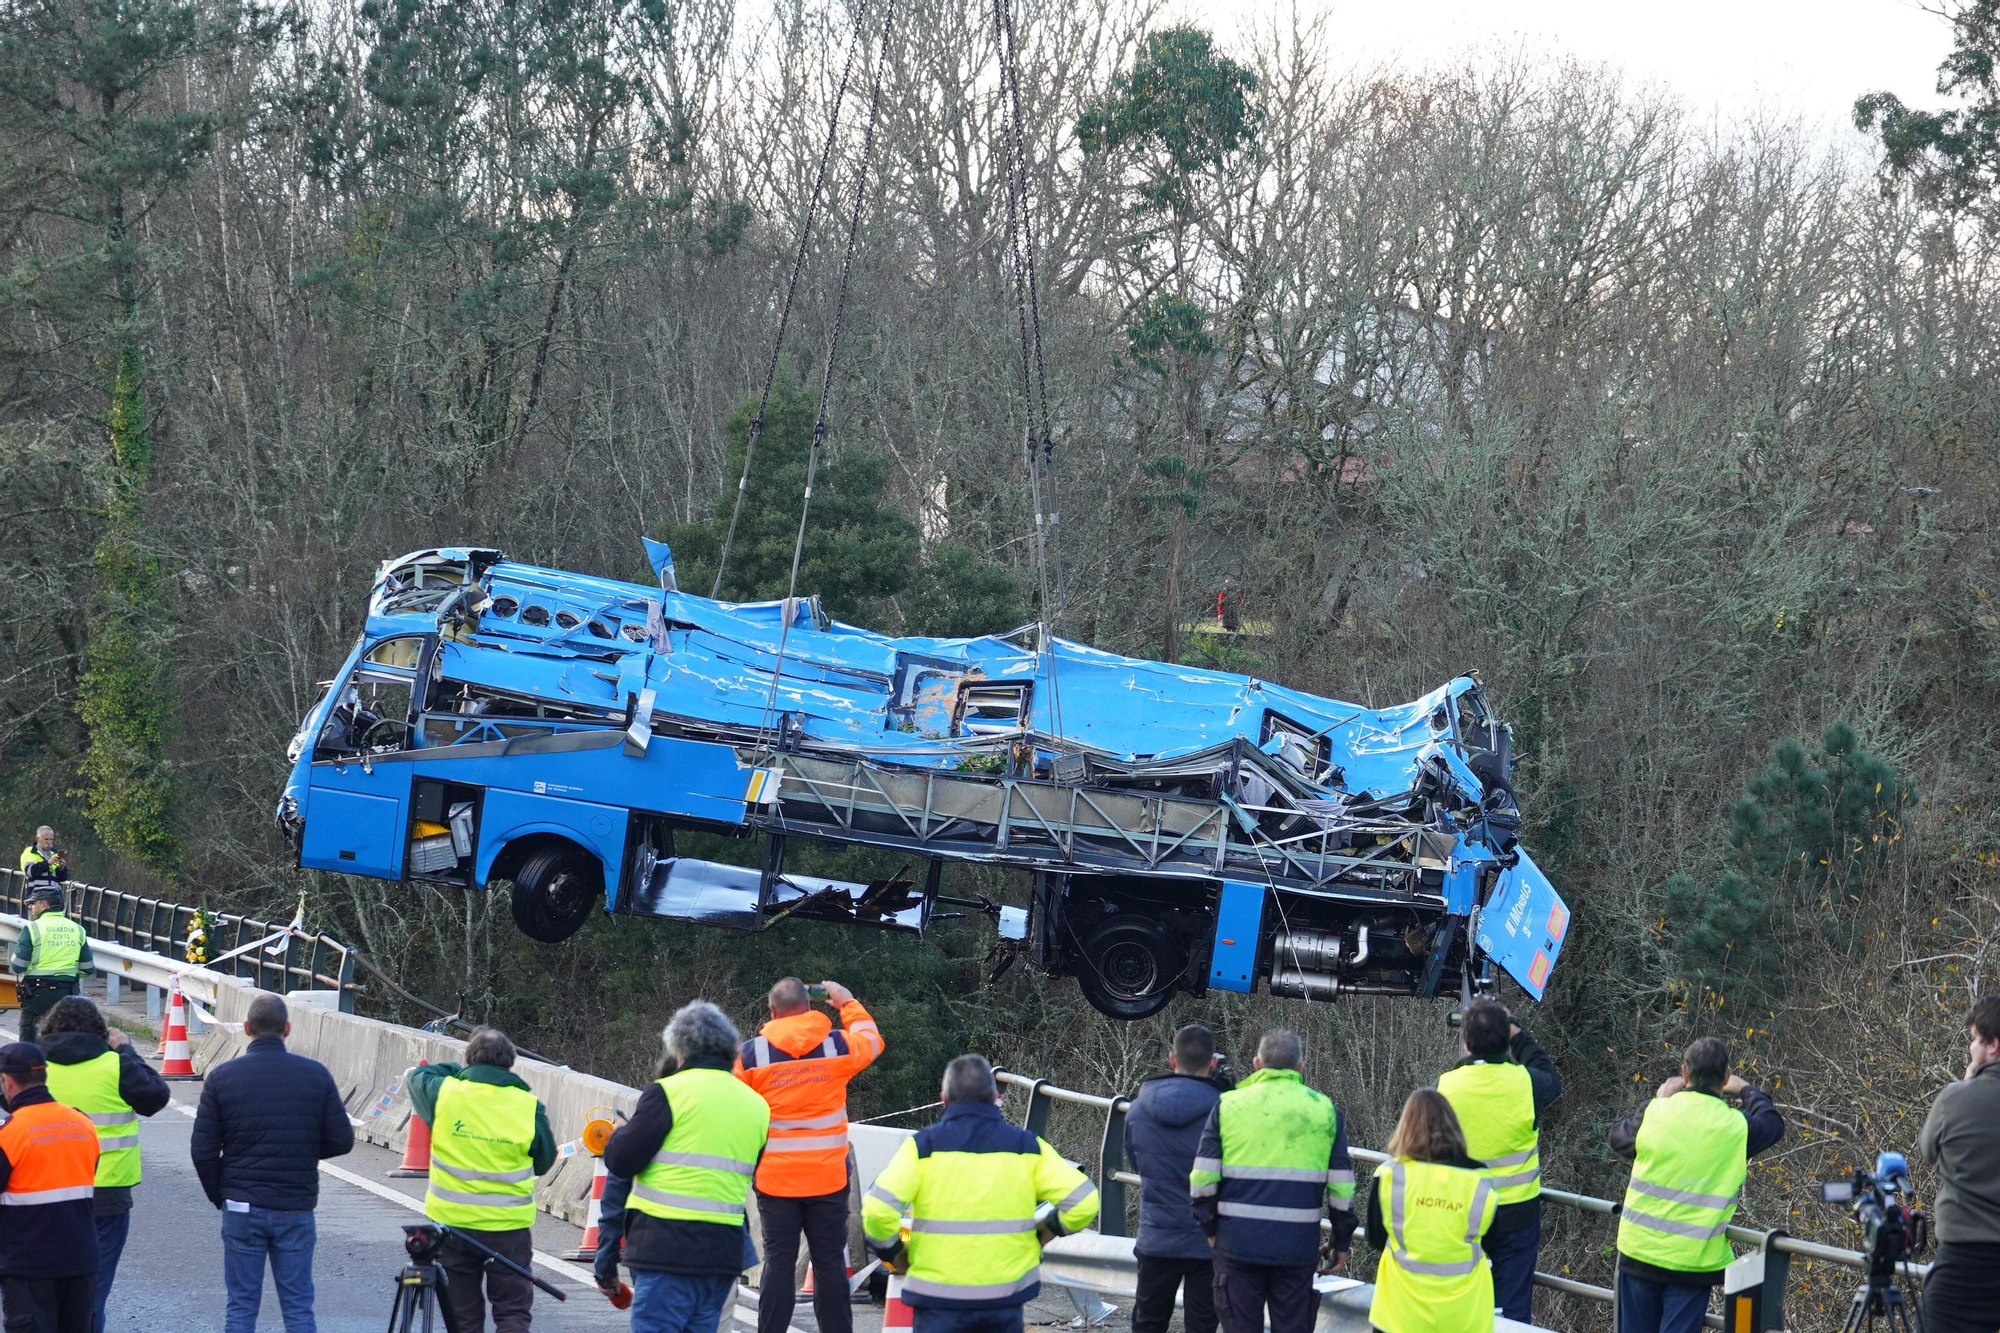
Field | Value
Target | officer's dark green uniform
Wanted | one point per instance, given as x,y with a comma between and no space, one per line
51,956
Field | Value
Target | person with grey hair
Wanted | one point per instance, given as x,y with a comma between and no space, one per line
981,1197
267,1119
43,860
1272,1155
490,1138
690,1151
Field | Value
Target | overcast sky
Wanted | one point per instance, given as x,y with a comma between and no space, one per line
1805,58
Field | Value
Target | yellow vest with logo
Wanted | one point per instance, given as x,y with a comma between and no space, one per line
1687,1174
92,1088
58,945
1495,1101
702,1172
482,1176
1433,1277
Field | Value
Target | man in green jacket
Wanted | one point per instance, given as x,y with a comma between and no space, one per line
51,956
490,1138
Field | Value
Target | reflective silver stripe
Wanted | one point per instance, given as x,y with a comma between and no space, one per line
1076,1196
827,1121
760,1052
1518,1178
1472,1214
122,1141
1340,1177
704,1161
467,1173
1006,1226
1265,1213
114,1117
1691,1197
1208,1164
812,1144
828,1049
876,1192
482,1200
1311,1175
688,1202
1203,1191
28,1198
1429,1269
1689,1229
1514,1158
966,1291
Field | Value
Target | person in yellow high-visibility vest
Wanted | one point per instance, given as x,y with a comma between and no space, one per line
1429,1209
1499,1091
52,955
490,1138
93,1068
980,1195
689,1152
1690,1148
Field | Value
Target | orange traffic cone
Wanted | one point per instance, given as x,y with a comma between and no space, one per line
416,1148
896,1316
177,1064
588,1248
846,1258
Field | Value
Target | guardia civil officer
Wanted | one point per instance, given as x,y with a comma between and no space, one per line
51,955
690,1151
490,1138
979,1195
1690,1148
1427,1213
93,1067
1273,1155
1499,1091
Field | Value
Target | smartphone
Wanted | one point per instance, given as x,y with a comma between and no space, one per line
817,992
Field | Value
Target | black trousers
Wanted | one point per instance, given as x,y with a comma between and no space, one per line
1962,1294
38,996
48,1304
1159,1279
1243,1292
822,1218
511,1295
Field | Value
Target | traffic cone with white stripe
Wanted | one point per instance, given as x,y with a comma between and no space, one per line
587,1249
896,1316
416,1146
178,1065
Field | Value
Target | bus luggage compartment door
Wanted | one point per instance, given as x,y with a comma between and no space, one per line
354,832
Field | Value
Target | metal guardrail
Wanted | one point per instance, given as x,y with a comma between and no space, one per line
1759,1277
158,928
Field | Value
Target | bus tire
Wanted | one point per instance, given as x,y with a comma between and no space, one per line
1130,967
555,891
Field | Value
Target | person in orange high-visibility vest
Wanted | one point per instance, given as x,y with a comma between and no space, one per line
48,1173
800,1066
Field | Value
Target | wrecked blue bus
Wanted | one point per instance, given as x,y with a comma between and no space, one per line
1181,829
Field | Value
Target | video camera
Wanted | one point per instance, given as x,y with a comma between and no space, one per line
1892,1229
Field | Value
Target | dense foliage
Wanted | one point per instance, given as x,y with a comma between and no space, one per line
1683,437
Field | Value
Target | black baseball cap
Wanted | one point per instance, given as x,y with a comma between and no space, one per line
45,891
21,1057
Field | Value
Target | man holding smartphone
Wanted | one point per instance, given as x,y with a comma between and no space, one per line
1961,1141
800,1065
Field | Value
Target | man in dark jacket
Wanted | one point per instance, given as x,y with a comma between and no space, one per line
1162,1131
114,1090
488,1145
1961,1138
267,1119
48,1163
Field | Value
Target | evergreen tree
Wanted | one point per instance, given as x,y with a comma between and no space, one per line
1806,824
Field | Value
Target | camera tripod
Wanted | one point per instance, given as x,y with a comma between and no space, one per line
1880,1299
423,1292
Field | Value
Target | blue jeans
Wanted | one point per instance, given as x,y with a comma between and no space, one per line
111,1233
1512,1255
940,1319
1655,1307
287,1238
678,1302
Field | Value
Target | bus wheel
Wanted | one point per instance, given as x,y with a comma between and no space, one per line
554,892
1130,967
